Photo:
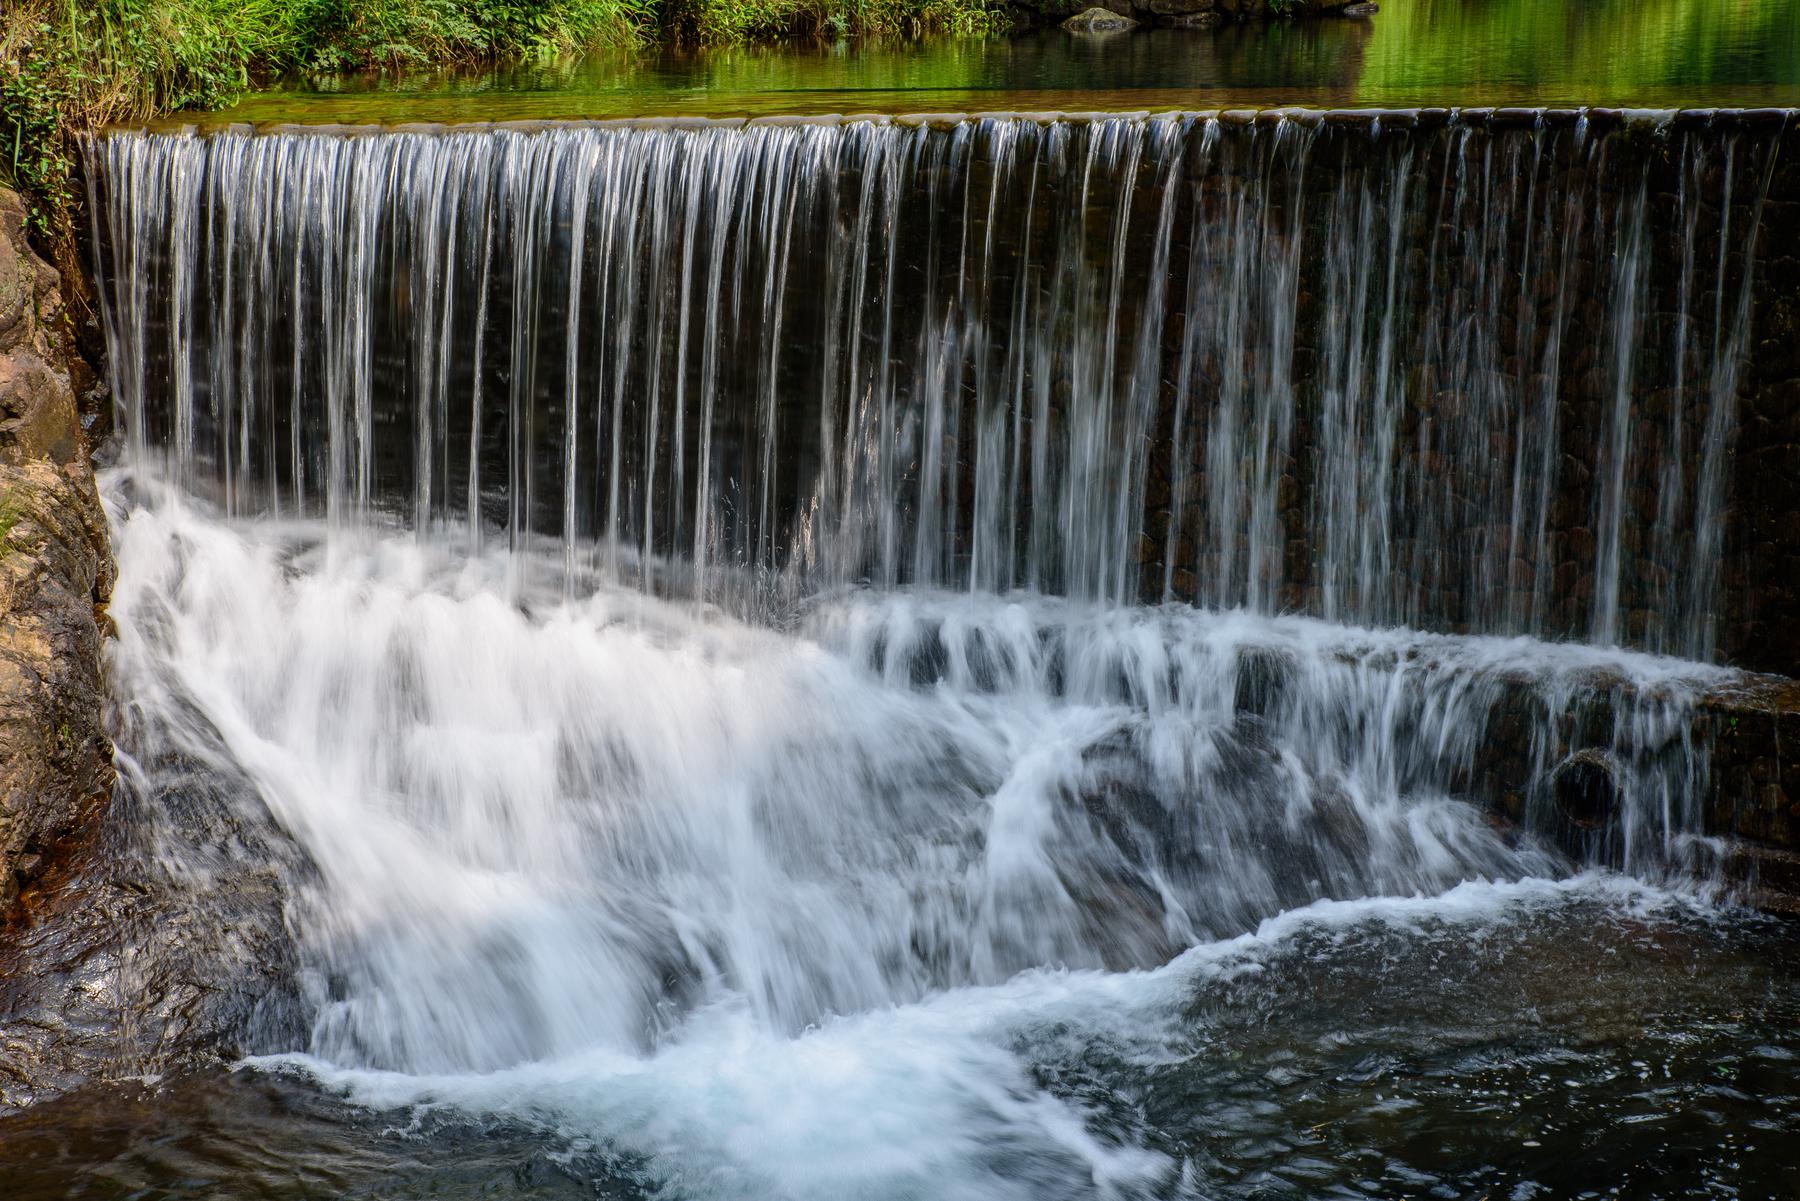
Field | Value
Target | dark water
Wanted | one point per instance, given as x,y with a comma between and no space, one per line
1590,1044
1636,53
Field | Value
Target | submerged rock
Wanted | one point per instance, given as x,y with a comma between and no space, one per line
1112,15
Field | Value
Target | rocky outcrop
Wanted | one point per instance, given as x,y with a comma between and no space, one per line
55,573
1098,20
112,963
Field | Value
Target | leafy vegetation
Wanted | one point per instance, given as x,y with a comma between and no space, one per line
729,21
67,65
12,510
1558,51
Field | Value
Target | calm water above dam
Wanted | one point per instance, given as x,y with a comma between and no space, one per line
1632,53
983,658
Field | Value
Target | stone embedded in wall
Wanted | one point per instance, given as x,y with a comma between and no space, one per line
55,573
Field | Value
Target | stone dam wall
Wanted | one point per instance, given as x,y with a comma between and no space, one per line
1469,423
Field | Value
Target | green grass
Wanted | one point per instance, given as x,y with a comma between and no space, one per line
12,511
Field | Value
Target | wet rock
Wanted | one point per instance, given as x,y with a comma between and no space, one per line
115,963
55,760
1098,20
112,963
38,419
55,573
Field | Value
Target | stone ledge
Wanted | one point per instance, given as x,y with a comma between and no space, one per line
1743,735
1597,119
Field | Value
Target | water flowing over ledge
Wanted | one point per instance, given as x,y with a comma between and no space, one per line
1476,371
677,640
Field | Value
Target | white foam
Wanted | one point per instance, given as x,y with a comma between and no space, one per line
794,914
933,1098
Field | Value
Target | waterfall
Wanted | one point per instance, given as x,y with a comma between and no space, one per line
778,616
1469,374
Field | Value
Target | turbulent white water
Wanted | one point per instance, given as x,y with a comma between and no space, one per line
791,911
944,1098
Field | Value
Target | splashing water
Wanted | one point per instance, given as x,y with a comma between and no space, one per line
652,872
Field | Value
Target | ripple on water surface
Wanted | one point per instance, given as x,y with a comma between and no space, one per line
1591,1038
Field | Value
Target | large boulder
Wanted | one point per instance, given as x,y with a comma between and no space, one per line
1098,20
55,574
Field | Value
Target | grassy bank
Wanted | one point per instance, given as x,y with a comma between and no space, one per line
67,65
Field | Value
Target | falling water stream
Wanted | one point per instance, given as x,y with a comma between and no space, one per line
953,659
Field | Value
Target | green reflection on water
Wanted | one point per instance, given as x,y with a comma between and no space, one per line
1565,49
1649,53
